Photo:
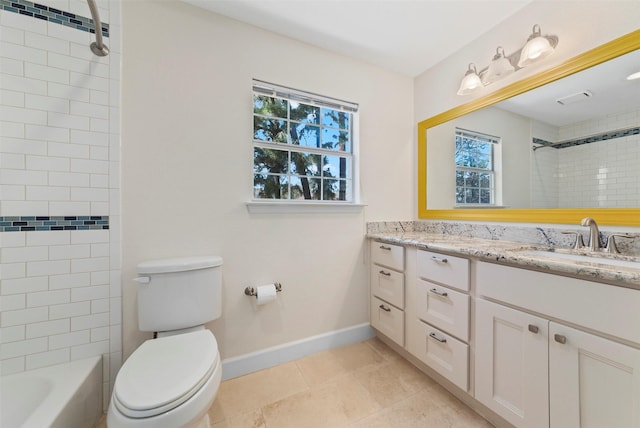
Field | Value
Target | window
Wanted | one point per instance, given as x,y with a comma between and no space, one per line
475,169
303,145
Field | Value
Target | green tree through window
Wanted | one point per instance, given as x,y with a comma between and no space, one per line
474,168
303,150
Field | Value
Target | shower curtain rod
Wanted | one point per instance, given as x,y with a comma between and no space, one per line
97,47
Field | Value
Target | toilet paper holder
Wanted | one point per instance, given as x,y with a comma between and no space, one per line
251,291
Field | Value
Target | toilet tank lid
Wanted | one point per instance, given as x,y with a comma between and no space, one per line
179,264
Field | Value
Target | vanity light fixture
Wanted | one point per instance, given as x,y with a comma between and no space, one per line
470,82
500,67
537,47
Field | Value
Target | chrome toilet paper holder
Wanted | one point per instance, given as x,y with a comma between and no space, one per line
251,291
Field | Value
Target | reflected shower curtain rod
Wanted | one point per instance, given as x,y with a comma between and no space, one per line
97,47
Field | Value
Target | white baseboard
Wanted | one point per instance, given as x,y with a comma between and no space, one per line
270,357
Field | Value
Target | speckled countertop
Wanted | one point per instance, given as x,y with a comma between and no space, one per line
519,255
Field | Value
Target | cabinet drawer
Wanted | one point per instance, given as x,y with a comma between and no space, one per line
449,270
444,308
388,285
388,320
389,255
445,354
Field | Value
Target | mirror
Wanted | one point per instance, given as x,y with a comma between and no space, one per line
541,144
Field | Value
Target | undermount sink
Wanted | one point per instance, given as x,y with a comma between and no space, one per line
600,260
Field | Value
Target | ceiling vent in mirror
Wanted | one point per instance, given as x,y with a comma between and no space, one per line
575,98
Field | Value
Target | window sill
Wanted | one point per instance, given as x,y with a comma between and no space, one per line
272,207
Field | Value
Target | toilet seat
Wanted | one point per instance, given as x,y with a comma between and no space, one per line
164,373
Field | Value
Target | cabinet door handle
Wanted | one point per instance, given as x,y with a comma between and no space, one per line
385,273
438,259
560,338
384,308
384,247
533,328
439,293
433,335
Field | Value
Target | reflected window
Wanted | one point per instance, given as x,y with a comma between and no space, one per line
303,145
475,169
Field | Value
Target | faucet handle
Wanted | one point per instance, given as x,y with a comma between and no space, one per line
579,242
611,242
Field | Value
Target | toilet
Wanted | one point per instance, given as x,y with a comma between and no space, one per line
171,381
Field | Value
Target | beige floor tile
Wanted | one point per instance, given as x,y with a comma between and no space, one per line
333,404
357,356
392,382
248,393
328,365
419,410
102,422
383,349
245,420
463,417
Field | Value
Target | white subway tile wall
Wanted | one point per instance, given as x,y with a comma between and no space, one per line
59,156
599,174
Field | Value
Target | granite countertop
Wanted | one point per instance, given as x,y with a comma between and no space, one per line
516,254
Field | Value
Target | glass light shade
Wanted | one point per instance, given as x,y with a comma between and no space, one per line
634,76
470,82
536,48
500,67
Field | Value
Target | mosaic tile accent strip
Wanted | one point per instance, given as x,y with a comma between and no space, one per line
51,14
609,135
41,223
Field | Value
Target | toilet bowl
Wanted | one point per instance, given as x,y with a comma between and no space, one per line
171,381
168,382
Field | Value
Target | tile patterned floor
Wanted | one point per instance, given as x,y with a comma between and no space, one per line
364,385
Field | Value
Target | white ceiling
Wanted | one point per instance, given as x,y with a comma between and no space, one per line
611,93
403,36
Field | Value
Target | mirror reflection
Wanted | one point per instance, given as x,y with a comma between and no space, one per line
573,143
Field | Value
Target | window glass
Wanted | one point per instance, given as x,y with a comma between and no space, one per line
475,173
302,150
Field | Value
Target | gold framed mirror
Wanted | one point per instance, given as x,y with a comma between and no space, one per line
609,216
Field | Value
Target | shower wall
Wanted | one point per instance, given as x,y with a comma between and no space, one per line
59,183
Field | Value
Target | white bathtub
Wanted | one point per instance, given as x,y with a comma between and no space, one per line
67,396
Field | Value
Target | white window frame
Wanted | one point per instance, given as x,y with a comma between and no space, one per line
302,205
494,172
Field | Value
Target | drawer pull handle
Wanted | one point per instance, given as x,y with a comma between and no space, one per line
560,338
385,273
384,308
533,328
439,339
384,247
438,259
439,293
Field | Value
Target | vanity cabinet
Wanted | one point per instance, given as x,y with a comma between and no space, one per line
442,308
593,382
387,290
511,365
535,370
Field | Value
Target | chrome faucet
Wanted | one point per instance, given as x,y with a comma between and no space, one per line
594,233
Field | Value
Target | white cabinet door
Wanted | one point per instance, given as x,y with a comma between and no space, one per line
593,382
511,364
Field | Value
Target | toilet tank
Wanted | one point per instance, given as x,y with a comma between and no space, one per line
179,293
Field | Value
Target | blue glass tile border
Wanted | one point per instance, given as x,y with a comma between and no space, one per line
51,14
41,223
609,135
